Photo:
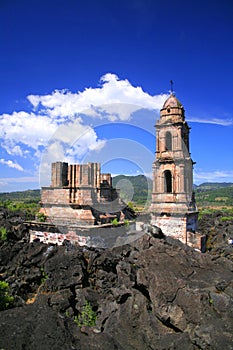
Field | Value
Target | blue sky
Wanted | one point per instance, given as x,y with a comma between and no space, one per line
85,80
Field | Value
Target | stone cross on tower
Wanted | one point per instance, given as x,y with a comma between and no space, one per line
172,83
173,205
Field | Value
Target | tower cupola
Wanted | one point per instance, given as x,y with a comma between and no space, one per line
172,111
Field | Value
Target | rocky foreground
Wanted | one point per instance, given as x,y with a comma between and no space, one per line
152,294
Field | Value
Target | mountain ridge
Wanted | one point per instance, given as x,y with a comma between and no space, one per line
138,189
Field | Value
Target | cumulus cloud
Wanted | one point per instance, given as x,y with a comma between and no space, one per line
22,132
11,164
114,99
59,124
69,144
27,129
57,120
12,149
112,90
71,141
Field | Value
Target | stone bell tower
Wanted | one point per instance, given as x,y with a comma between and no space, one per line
173,206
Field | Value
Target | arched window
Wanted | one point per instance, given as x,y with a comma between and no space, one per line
168,141
167,181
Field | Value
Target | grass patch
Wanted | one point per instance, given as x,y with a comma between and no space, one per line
226,218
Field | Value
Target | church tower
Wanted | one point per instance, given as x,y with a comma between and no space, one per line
173,206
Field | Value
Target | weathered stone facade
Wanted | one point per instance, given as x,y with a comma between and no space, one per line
79,194
173,204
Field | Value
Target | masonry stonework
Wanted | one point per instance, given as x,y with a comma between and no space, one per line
79,194
173,206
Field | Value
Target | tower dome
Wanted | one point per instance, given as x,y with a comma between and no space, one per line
172,101
172,111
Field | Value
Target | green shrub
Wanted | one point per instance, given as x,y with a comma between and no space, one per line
41,217
204,211
115,222
87,316
44,275
211,301
5,298
3,234
130,205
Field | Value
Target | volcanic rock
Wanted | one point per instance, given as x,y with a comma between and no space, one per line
154,293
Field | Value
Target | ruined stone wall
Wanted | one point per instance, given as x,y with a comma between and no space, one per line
59,171
76,192
55,195
66,215
76,175
84,175
106,179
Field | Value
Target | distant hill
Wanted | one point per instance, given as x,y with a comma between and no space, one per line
207,194
140,187
214,194
213,185
21,196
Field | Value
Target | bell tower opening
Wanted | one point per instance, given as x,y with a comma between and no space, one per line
167,181
168,141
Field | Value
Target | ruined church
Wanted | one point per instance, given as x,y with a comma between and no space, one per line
81,195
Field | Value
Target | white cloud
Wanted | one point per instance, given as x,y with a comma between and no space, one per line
12,149
70,151
112,90
26,134
223,122
69,144
57,122
11,164
113,99
72,141
23,179
9,184
212,176
87,141
27,129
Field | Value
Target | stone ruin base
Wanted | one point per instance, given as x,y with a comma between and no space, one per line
182,227
80,215
66,214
